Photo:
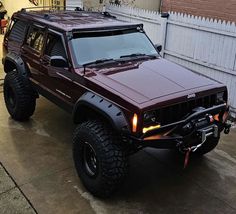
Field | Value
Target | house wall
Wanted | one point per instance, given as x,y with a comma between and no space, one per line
224,10
147,5
17,5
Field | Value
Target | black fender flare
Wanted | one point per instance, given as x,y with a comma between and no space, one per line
13,58
113,114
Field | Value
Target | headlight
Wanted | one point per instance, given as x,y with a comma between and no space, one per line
150,120
220,97
149,117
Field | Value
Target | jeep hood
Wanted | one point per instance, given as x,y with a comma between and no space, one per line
145,81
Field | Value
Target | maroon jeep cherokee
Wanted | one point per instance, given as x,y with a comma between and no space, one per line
122,94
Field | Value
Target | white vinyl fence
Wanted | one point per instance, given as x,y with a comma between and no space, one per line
203,45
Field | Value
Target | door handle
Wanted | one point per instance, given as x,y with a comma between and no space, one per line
24,51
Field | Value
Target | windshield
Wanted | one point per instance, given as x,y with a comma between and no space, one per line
90,47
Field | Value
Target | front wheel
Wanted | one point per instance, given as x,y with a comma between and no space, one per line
100,160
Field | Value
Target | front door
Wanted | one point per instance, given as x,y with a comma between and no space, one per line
58,77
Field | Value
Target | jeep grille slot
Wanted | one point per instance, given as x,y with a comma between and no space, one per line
177,112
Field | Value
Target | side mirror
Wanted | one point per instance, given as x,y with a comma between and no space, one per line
158,47
58,61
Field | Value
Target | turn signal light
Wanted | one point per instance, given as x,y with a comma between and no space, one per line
151,128
216,117
135,123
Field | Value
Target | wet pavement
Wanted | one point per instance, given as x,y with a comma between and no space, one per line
39,175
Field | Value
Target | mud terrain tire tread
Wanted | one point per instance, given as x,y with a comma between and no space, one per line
25,99
113,161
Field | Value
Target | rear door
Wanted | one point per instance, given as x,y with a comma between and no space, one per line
32,50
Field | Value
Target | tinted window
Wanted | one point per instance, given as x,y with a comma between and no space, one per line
17,32
106,45
54,46
35,39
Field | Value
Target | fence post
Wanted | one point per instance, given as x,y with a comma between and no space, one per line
164,23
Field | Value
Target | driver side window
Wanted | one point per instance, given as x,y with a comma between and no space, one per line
54,46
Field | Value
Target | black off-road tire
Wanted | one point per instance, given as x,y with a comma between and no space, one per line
110,159
208,146
19,96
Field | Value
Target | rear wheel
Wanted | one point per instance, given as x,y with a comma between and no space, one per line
19,96
99,159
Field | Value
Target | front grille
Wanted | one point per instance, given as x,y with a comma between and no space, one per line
176,112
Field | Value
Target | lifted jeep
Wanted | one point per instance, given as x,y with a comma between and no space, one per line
122,94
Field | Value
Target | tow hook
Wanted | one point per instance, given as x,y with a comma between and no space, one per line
191,150
227,128
186,159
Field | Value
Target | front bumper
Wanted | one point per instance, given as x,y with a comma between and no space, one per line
193,130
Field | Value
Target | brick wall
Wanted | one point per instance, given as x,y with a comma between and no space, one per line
219,9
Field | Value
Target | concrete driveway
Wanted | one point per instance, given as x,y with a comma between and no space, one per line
37,173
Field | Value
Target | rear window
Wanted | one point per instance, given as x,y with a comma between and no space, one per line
35,39
18,31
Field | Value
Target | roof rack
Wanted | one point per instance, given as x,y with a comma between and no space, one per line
52,8
107,14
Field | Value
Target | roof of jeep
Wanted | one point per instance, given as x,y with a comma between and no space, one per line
68,20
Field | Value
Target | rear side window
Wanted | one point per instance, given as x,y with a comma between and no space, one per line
18,30
35,39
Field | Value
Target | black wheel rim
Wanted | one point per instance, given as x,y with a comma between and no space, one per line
11,97
90,160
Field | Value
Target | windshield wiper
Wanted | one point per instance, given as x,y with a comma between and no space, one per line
96,62
99,61
138,55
